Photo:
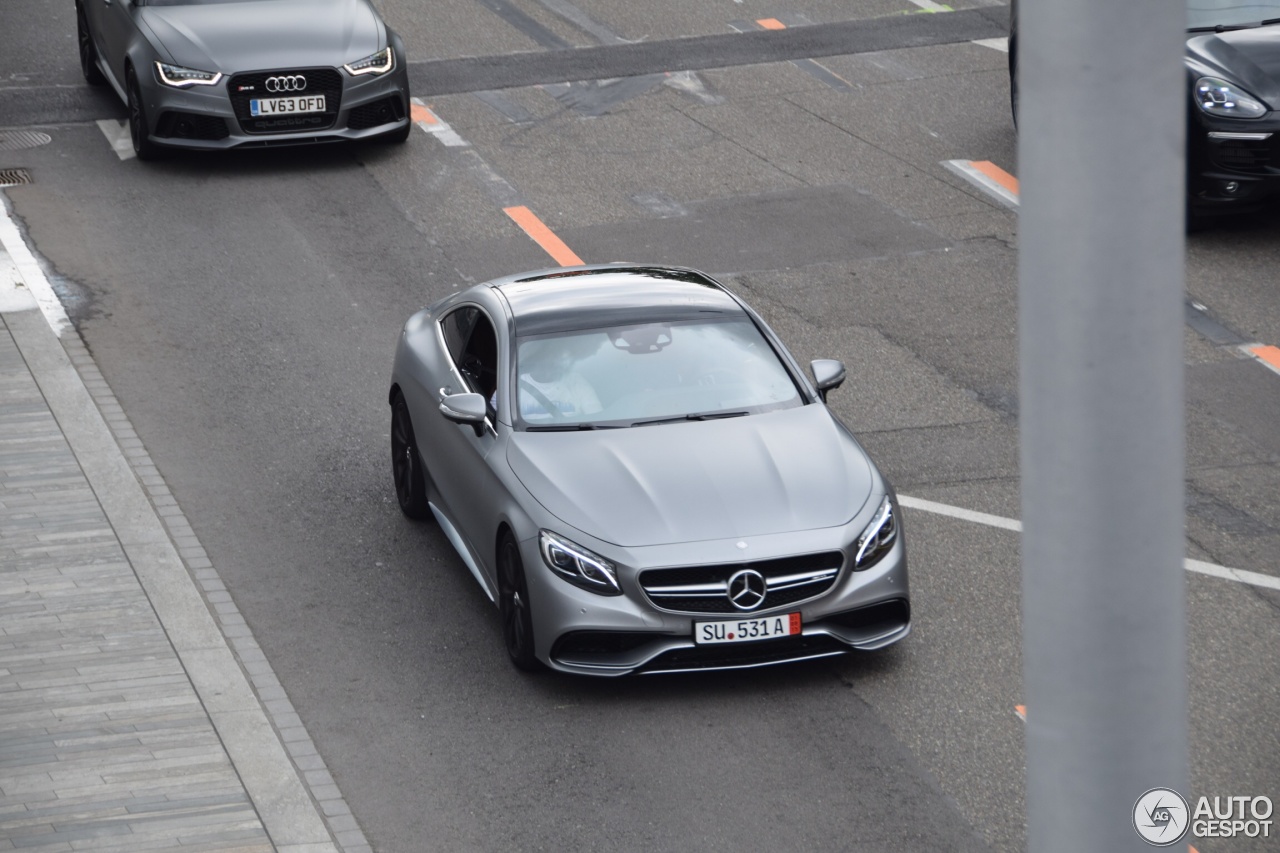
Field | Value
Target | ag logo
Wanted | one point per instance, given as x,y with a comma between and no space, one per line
1160,816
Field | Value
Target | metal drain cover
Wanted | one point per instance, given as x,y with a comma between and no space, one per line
14,140
13,177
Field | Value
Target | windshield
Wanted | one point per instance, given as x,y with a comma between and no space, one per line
625,375
1208,14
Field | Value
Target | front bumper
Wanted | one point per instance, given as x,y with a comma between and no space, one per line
580,632
205,117
1232,165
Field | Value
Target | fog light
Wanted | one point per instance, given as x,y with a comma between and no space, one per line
1231,187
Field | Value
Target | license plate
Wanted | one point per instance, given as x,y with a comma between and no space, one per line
746,630
286,106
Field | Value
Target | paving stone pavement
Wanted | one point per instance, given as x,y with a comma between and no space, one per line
137,712
102,736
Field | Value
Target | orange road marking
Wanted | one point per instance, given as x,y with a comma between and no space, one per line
1269,354
995,173
418,112
1021,711
771,24
543,236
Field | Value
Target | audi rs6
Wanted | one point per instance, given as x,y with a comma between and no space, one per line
216,74
641,478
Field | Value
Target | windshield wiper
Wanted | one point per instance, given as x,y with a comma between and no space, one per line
697,416
1226,28
567,427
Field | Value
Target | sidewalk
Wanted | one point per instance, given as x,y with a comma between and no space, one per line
136,710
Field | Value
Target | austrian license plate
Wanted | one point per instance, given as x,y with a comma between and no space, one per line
286,106
746,630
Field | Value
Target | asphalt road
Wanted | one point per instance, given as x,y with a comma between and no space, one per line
243,308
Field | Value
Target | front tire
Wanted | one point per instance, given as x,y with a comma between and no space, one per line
513,601
88,53
406,463
138,126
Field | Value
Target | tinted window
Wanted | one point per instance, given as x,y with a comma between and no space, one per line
457,328
473,346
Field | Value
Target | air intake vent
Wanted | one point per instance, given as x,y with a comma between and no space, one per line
13,177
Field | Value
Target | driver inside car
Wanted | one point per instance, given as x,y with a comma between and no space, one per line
548,378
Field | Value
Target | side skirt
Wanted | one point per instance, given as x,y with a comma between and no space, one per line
455,539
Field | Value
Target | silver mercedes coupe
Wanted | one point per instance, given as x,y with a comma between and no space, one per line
640,476
232,73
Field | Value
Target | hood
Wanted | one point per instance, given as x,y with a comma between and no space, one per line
796,469
258,35
1249,57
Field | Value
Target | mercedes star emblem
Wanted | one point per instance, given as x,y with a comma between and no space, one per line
746,589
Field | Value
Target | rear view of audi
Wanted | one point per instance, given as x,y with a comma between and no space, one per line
215,74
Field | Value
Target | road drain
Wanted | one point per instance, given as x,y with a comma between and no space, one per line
13,177
15,140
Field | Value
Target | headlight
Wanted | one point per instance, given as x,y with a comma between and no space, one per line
380,63
1217,97
878,537
577,565
176,75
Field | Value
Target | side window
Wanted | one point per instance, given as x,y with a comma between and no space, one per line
479,362
457,328
473,346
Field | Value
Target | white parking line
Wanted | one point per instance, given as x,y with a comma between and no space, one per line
1001,44
117,134
1197,566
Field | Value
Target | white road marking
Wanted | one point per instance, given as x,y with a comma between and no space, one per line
962,514
437,127
930,6
32,275
117,134
1001,44
1197,566
14,295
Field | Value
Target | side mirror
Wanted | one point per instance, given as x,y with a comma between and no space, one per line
465,409
827,375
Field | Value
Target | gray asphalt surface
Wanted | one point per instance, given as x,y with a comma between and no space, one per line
243,309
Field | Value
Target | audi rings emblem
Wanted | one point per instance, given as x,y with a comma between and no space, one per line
746,589
286,83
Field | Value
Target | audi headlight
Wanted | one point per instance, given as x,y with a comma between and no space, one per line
878,537
179,77
1217,97
577,565
380,63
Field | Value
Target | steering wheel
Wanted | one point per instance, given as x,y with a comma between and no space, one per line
552,409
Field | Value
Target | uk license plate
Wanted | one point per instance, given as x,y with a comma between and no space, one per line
746,630
286,106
